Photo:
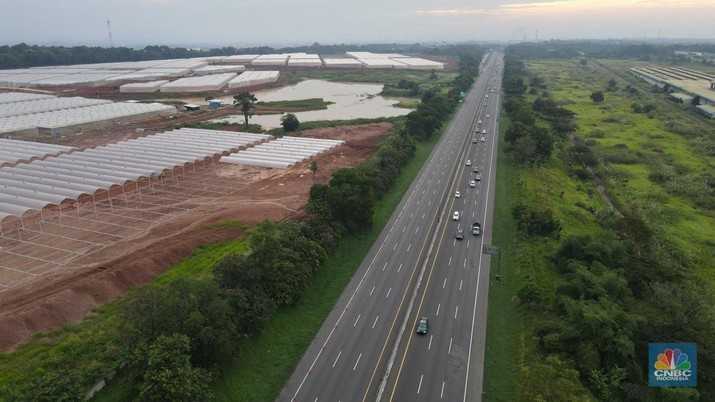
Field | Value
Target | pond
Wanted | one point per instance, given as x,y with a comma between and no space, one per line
350,101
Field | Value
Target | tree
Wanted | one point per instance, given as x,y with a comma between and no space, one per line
290,122
351,198
190,307
612,85
313,167
247,102
169,375
433,75
597,97
696,100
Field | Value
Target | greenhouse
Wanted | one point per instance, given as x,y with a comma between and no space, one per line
84,115
254,78
282,153
13,151
29,188
203,83
47,105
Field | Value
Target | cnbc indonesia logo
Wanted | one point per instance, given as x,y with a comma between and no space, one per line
672,365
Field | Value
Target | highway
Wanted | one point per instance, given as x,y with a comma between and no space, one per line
367,348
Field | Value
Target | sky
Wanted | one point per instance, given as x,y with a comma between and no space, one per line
294,22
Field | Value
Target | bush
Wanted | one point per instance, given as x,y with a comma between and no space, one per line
169,375
191,307
536,222
290,122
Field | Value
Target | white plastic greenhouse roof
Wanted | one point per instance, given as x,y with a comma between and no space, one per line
11,97
239,58
282,153
13,151
47,105
72,117
203,83
142,87
31,187
207,70
342,62
253,78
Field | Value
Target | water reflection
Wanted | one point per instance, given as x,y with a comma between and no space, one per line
350,101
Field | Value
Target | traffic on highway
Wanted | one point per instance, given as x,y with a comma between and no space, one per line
410,325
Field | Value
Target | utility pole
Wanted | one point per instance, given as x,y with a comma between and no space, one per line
109,31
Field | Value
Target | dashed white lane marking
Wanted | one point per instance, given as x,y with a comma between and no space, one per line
419,386
388,293
441,393
429,345
356,321
372,290
460,284
375,322
357,361
450,345
409,247
399,268
450,260
438,306
456,311
444,284
336,361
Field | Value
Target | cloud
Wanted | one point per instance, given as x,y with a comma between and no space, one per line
570,6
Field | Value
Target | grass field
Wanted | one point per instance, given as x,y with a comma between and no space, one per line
650,147
288,106
634,146
265,362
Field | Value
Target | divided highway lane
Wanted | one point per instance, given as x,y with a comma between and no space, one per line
345,360
434,367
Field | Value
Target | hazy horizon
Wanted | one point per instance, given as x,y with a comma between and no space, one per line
284,22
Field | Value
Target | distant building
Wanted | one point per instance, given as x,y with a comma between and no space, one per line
707,110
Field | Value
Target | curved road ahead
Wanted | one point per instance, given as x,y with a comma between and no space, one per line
367,348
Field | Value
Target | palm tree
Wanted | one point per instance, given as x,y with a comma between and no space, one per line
247,102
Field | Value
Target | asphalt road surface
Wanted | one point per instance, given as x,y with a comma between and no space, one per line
367,348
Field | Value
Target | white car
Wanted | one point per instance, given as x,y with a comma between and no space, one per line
480,121
478,177
483,139
455,216
484,131
457,194
488,116
469,162
472,183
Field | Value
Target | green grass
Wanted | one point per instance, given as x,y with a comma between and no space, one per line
265,362
510,340
649,142
299,105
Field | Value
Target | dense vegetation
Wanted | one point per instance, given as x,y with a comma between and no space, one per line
171,340
593,238
569,49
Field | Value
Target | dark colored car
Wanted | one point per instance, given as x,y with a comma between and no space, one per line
423,326
460,234
476,229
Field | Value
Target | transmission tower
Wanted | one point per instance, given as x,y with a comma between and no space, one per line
109,31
